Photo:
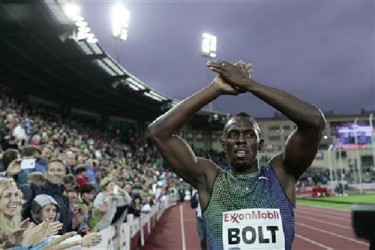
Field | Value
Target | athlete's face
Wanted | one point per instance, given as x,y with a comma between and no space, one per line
241,143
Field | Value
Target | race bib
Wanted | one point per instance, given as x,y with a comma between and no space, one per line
259,228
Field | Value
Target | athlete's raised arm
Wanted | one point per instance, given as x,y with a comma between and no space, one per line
302,145
180,158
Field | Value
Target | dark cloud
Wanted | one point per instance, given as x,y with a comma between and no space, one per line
321,51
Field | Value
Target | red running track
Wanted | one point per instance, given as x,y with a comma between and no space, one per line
316,228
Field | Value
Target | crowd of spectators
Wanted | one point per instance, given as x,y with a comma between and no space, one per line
59,176
318,176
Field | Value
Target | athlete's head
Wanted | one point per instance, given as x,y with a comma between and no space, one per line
241,141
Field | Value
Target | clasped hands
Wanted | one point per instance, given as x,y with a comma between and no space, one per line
232,79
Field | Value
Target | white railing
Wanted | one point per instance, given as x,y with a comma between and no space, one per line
135,231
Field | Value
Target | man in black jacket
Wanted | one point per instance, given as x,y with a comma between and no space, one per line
54,187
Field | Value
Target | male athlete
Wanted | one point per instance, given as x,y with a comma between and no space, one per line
249,206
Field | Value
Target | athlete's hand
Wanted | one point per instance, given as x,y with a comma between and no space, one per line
235,75
226,88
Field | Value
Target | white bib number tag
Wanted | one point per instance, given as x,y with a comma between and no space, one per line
253,229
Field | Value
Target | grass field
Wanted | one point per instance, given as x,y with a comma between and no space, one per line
330,201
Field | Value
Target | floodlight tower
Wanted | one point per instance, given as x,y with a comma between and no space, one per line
120,25
209,46
81,31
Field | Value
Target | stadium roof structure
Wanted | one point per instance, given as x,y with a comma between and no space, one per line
43,55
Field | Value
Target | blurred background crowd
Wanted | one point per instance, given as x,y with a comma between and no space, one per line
84,179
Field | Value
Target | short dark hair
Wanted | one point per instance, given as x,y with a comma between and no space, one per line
80,168
246,115
87,188
9,155
69,178
243,114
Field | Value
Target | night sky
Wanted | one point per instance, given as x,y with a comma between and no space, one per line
320,51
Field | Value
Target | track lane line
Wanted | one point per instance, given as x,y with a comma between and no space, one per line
328,209
325,222
182,227
313,242
330,233
323,216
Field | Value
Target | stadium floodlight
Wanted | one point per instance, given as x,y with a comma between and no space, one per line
73,11
81,24
120,21
84,35
92,40
209,45
84,29
131,81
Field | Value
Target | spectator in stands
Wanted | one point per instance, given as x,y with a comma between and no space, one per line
71,161
28,152
56,171
113,197
69,182
45,156
128,188
81,178
6,135
78,215
136,206
10,207
11,163
19,133
91,172
72,196
45,208
87,193
85,205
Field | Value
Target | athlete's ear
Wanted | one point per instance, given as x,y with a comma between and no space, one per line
223,145
260,145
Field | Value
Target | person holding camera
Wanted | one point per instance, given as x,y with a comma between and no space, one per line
113,200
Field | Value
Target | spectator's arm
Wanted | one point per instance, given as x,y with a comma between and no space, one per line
94,218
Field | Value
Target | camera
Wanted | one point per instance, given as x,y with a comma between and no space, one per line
363,217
